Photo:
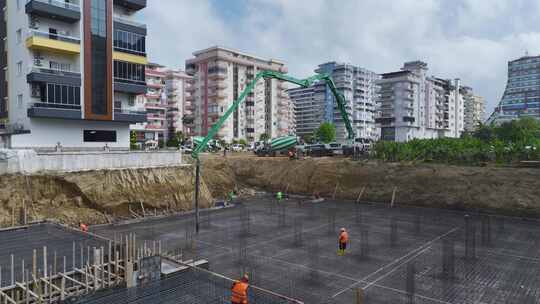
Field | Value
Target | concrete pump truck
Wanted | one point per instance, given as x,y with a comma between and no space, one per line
279,144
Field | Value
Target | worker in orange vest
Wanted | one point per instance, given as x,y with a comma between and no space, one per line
239,291
343,240
84,227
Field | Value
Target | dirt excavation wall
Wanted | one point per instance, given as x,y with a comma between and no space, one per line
514,191
93,196
101,196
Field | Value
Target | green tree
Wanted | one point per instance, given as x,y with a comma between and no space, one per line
242,142
326,132
264,137
133,140
173,142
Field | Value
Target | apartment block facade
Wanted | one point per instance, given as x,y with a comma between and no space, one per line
220,75
73,70
316,104
413,105
177,83
522,94
474,109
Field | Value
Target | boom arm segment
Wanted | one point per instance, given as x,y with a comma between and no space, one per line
271,74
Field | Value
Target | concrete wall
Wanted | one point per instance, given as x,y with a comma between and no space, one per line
46,133
28,161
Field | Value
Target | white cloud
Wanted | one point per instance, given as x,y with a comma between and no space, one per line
467,39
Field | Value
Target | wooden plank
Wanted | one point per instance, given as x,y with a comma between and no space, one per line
360,194
393,197
72,280
6,298
26,290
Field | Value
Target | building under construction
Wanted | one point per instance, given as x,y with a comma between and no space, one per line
289,249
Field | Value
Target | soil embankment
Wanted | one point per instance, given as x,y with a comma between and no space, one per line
99,196
513,191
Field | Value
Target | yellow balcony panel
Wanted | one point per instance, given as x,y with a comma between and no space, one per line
42,43
120,56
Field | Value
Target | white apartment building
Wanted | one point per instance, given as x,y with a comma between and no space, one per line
317,104
474,109
176,84
72,70
413,105
220,75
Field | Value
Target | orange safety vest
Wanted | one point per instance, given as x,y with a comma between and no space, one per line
344,237
239,293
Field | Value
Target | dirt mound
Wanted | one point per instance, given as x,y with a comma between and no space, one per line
97,196
513,191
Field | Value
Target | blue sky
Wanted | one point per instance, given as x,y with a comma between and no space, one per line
467,39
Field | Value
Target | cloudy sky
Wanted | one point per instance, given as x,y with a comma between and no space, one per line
467,39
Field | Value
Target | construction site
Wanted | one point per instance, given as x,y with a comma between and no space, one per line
400,250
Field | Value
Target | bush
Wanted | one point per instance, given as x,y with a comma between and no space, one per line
510,142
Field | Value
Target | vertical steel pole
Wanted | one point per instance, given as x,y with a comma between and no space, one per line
197,190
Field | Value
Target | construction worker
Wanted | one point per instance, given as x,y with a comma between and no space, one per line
291,154
83,227
279,196
343,240
239,291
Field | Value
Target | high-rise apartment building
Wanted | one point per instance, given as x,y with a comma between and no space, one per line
220,76
474,109
72,70
522,94
316,104
413,105
177,82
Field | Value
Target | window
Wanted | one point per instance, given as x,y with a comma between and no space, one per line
129,41
128,71
18,4
99,136
19,36
19,68
19,101
63,94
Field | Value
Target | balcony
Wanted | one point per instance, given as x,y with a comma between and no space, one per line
217,95
155,105
123,115
218,85
53,110
37,40
217,75
155,127
154,116
54,9
120,55
134,5
40,74
129,86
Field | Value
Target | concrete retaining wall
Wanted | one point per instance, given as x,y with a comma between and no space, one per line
28,161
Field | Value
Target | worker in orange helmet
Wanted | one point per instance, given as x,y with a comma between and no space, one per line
84,227
343,240
239,291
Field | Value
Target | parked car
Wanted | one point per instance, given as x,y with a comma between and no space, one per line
318,150
151,144
237,148
336,148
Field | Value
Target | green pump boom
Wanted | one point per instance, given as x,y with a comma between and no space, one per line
270,74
